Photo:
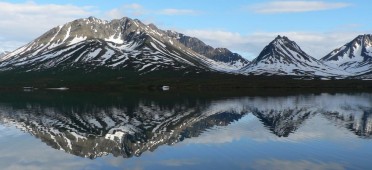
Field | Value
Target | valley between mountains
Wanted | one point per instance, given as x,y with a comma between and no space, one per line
94,53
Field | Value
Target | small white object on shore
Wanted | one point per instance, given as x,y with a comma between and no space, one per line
165,88
59,88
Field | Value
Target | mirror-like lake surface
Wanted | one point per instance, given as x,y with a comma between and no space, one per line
65,130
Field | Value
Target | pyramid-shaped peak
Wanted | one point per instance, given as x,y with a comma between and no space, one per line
281,38
284,57
284,42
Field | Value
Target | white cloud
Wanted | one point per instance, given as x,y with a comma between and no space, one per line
178,12
133,6
178,162
22,22
114,13
316,44
131,10
21,155
295,6
7,45
136,10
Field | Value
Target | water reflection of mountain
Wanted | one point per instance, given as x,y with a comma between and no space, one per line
128,128
360,124
282,122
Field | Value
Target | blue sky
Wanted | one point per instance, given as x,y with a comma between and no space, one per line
240,25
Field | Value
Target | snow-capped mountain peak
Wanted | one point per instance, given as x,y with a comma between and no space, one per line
355,56
120,43
284,57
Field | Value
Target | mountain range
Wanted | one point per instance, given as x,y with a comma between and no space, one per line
127,47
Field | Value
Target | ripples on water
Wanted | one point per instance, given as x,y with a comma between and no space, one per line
92,131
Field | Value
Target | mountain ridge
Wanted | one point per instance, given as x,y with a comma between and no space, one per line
217,54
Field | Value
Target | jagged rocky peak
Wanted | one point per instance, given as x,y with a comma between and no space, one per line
285,42
282,50
355,56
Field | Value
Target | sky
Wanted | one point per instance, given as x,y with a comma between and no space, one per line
245,27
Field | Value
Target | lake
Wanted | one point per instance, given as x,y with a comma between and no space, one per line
171,130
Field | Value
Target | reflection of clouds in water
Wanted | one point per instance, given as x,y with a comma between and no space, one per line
275,164
141,164
279,114
344,103
247,127
179,162
30,155
319,128
6,131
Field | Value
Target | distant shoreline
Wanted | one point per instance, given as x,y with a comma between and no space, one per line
210,85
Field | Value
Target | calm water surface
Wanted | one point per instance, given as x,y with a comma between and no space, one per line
65,130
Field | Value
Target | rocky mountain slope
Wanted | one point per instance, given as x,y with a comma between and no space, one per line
217,54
